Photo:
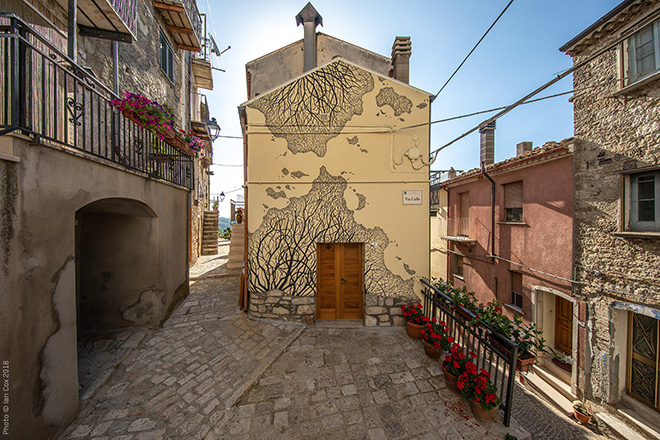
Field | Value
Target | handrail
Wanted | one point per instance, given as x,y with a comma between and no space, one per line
498,359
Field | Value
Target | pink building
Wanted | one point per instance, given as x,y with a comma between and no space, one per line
527,201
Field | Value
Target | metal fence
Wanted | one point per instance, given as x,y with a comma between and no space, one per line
499,359
46,95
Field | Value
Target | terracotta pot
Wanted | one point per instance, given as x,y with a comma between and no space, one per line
462,313
239,218
413,330
480,413
450,380
525,364
582,418
431,351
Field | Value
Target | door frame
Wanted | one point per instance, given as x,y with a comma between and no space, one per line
538,307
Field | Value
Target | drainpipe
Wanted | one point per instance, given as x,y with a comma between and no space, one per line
492,211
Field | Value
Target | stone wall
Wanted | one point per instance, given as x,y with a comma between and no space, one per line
618,132
275,304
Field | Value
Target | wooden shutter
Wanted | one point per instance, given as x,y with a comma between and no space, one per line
464,202
351,279
513,195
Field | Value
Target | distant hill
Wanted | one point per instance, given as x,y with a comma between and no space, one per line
223,222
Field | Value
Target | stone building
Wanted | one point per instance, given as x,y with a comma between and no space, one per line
96,211
337,185
617,204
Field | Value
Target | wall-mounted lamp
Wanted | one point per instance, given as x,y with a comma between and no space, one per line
214,129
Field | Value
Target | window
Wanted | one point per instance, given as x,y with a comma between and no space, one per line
464,215
643,53
458,266
513,202
166,57
516,290
642,213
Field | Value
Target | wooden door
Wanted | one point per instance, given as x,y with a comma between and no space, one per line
339,281
644,359
564,325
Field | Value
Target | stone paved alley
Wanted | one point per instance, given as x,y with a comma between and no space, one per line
210,372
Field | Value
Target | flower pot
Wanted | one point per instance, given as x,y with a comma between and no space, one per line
480,413
450,380
239,218
580,417
432,351
525,364
414,330
458,310
498,344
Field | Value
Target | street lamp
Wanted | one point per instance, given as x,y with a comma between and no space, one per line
214,129
222,196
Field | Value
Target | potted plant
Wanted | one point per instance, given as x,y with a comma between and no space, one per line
454,365
239,215
530,342
581,412
563,361
215,204
415,319
436,339
500,325
480,391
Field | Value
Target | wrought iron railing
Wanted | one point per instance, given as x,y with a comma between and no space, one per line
456,227
46,95
498,358
127,10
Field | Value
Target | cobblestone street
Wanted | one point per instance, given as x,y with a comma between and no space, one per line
210,372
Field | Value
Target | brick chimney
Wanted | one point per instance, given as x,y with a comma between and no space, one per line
310,18
523,147
487,143
401,51
451,173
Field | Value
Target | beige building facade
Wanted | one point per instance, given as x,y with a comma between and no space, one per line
337,189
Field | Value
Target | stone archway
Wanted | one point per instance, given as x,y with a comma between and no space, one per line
117,286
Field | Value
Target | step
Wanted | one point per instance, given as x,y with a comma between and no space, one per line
640,416
557,383
618,428
235,265
550,393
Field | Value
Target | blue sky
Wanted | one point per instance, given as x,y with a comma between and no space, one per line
519,54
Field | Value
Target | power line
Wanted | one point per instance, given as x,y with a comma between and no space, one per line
231,137
225,165
473,49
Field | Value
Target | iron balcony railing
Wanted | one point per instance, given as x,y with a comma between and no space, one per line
127,11
498,359
46,95
457,227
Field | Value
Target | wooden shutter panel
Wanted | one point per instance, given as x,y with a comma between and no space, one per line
513,193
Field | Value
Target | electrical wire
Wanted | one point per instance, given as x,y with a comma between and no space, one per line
225,165
473,49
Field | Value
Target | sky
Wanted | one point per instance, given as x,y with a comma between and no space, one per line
519,54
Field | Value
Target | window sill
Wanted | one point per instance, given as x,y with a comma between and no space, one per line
459,277
637,85
513,223
514,308
635,234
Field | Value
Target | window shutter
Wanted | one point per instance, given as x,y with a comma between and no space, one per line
516,282
513,195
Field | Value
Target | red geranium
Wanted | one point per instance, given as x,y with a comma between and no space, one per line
414,314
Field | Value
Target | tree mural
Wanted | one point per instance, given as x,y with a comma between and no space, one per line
313,109
282,251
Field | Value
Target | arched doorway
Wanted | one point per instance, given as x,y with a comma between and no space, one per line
117,292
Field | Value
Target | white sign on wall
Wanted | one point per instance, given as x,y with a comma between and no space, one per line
412,197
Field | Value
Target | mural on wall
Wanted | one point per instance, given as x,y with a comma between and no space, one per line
313,109
399,103
282,251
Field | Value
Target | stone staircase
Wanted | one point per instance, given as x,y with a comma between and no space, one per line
210,233
236,246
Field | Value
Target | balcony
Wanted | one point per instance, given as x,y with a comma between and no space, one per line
110,19
457,230
183,22
202,67
47,96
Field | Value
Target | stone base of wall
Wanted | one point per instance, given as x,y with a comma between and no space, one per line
275,304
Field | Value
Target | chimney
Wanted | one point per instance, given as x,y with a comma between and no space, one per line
522,148
487,143
401,51
451,173
310,18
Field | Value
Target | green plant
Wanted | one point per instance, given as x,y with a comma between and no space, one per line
459,296
510,437
580,407
215,203
492,316
225,233
528,337
436,334
414,313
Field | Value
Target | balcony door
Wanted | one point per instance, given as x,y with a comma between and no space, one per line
643,359
339,281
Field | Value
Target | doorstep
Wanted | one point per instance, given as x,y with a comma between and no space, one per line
550,393
640,416
617,428
548,374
